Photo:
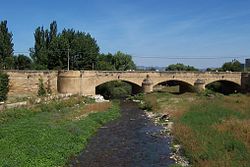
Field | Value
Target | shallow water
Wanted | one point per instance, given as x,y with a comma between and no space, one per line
132,140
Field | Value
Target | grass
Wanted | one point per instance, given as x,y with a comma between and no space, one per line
213,130
49,134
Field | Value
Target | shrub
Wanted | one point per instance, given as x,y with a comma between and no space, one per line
150,103
114,89
4,86
41,88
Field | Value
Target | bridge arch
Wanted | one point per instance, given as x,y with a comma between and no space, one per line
183,86
135,87
173,79
223,80
103,81
224,86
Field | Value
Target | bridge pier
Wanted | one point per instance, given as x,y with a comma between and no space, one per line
147,85
199,85
245,82
69,82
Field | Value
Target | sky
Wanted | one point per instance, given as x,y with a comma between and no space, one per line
201,33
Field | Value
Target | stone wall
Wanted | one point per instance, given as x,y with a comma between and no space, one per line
26,82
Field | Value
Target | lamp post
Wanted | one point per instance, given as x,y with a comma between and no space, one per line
68,59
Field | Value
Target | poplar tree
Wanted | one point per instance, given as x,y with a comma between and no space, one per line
6,47
41,51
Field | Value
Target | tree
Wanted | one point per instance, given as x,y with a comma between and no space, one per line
39,53
51,49
6,47
84,51
4,86
180,67
123,62
233,66
105,62
22,62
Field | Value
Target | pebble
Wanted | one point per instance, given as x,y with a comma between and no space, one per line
164,120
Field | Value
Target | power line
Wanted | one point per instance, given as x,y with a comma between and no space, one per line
66,51
188,58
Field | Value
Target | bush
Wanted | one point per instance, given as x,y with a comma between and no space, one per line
4,86
41,89
150,103
114,90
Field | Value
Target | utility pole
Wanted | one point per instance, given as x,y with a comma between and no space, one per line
68,59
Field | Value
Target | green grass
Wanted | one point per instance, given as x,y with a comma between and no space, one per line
213,129
44,136
216,146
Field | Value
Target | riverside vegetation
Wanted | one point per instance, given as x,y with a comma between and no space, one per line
50,134
213,129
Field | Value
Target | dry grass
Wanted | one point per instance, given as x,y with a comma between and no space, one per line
95,107
210,163
176,105
239,128
151,103
238,103
186,136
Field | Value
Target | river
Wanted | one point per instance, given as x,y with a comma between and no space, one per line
130,141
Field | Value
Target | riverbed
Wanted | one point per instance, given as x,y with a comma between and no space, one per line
132,140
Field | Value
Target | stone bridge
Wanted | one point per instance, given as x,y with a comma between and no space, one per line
85,82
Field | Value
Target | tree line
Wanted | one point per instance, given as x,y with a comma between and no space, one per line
233,66
55,50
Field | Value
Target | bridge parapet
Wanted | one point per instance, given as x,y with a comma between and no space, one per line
85,82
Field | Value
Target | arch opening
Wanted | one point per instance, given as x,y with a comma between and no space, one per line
174,87
117,89
223,86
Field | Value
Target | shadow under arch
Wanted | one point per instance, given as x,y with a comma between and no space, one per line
123,87
174,86
224,86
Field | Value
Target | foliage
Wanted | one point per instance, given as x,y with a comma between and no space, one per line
4,86
22,62
114,89
233,66
119,61
41,88
180,67
123,61
149,103
52,49
47,137
138,96
105,62
43,39
6,46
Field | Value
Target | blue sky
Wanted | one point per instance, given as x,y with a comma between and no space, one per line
159,29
